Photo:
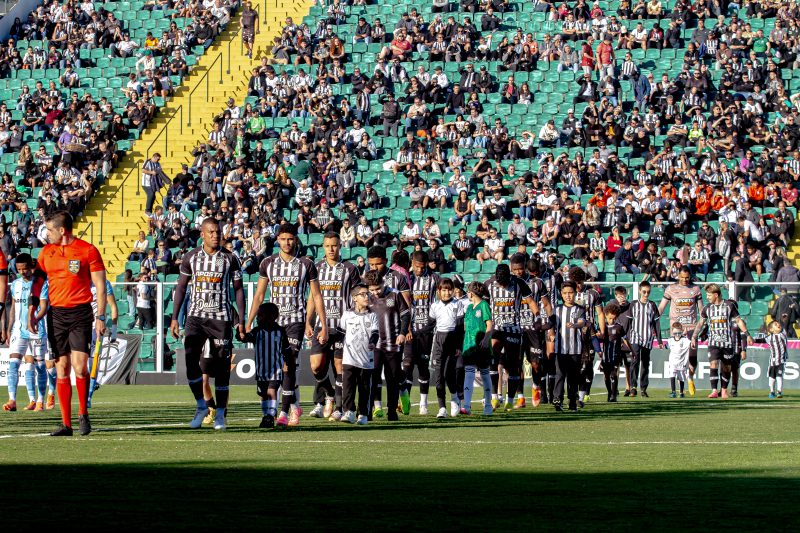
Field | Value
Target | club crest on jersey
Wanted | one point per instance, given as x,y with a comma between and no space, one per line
390,303
478,314
74,266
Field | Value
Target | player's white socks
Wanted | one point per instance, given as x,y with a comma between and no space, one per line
772,384
469,385
779,383
423,400
378,404
13,378
581,395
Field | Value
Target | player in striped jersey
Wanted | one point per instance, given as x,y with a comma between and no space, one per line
778,355
592,304
739,355
685,304
393,316
26,350
211,270
417,350
376,259
271,347
641,332
568,321
507,295
337,279
719,315
290,280
611,356
533,327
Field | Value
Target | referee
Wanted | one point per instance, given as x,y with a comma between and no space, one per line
71,266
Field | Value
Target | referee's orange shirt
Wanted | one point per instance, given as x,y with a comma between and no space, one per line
68,270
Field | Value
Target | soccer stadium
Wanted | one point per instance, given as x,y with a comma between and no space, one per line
532,257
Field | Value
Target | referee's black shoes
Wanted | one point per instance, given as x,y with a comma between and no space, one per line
62,431
85,426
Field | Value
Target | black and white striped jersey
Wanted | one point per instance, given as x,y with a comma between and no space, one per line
336,284
588,299
778,348
538,291
423,294
211,277
395,280
389,310
569,341
287,284
719,319
506,303
552,282
643,316
271,346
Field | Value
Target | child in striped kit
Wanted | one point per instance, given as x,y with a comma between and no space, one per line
778,354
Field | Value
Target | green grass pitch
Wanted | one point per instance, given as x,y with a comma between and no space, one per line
641,464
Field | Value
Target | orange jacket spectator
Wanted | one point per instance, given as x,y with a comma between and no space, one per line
702,205
718,201
755,193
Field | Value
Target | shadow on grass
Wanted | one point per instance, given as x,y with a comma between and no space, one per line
227,495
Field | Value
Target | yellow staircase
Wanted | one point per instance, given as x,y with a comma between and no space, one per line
115,214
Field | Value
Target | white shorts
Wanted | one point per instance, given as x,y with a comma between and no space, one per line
37,348
678,373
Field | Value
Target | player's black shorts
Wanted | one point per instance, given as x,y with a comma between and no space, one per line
533,345
295,334
715,353
478,357
334,346
510,347
70,329
418,351
263,386
219,334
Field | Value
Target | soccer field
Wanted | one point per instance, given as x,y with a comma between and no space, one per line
640,464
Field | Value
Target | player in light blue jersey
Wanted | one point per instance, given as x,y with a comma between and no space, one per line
28,351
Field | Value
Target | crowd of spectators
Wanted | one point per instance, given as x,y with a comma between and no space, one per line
641,174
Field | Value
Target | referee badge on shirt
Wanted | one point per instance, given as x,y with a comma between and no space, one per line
74,266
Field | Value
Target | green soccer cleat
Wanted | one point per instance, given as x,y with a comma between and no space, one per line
508,407
405,402
377,412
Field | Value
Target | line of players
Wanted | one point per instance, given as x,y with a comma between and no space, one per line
560,326
28,351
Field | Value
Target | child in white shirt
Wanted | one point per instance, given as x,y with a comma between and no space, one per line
448,313
360,327
679,346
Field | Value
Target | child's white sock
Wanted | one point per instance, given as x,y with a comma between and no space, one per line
779,383
772,384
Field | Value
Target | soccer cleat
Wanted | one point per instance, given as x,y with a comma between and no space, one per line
735,393
282,421
507,407
335,416
39,406
423,409
219,420
51,402
683,395
10,405
294,416
633,392
362,420
329,406
613,398
442,413
495,403
644,394
573,408
771,395
62,431
84,425
714,394
536,397
377,412
349,417
779,394
586,398
627,393
724,394
487,410
466,411
405,402
267,422
691,387
317,411
30,407
557,407
209,419
581,404
199,416
454,409
673,395
519,403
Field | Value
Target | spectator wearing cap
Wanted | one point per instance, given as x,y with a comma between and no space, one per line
368,199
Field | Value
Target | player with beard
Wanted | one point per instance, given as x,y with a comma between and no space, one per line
507,295
533,327
211,270
417,350
290,279
592,303
337,279
685,304
552,280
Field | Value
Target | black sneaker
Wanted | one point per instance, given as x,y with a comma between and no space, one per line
62,431
85,426
613,399
633,392
627,393
644,394
573,407
735,393
267,422
557,407
391,416
581,404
